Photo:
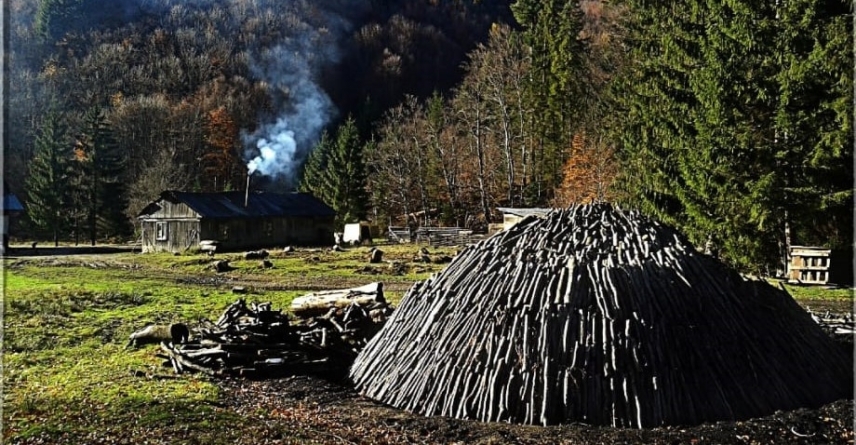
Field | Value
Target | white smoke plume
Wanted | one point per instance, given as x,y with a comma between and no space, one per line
277,148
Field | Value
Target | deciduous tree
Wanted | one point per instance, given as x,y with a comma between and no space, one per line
588,173
222,166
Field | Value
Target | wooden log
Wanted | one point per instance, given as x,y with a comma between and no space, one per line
176,333
256,254
180,362
317,303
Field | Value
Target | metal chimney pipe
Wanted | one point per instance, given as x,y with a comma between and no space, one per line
247,192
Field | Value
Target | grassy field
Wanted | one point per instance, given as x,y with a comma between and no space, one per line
66,372
68,377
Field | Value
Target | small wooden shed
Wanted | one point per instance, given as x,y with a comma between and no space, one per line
809,265
180,221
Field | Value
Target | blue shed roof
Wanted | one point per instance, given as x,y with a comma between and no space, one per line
259,204
11,203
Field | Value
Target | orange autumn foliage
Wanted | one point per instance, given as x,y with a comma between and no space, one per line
221,137
588,173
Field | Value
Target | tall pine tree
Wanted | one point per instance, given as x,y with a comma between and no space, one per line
737,120
335,173
48,180
102,191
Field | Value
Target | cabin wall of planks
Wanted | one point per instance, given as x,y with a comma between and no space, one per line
177,235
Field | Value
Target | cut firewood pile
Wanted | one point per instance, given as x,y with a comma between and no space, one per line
597,315
254,340
841,327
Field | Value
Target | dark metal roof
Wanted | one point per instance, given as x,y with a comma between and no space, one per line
259,204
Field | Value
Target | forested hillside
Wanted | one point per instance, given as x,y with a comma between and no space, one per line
732,121
187,89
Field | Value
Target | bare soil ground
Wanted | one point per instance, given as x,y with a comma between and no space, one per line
326,411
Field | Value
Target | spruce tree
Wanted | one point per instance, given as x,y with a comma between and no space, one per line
346,178
315,167
814,120
654,96
738,119
53,18
554,98
100,178
335,173
48,180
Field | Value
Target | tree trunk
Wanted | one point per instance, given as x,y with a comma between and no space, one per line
318,303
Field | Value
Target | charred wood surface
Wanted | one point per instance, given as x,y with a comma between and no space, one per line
602,316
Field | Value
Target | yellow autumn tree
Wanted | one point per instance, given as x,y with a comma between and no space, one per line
588,174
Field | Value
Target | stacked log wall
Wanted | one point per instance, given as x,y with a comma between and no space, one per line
600,316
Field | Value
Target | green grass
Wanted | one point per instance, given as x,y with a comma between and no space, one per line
68,376
818,293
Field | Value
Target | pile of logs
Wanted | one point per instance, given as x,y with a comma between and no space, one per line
841,327
597,315
253,340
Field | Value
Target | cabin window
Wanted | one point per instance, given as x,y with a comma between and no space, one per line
161,231
224,232
269,229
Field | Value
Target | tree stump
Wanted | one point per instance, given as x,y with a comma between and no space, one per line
375,255
221,266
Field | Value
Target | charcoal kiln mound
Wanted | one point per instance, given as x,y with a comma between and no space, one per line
597,315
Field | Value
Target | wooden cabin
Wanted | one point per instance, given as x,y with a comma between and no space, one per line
180,221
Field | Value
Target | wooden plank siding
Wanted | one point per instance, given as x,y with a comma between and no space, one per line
233,234
181,235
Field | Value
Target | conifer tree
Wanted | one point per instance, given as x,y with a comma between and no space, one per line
814,120
48,181
729,127
102,192
335,173
54,18
314,168
551,29
445,160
